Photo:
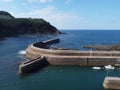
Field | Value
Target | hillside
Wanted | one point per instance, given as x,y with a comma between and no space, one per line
5,15
10,26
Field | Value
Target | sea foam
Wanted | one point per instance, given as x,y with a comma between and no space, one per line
22,52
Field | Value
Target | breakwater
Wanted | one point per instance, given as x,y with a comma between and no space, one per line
32,65
72,57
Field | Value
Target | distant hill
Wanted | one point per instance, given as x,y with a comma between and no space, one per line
5,15
10,26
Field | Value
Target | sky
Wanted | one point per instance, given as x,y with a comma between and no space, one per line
68,14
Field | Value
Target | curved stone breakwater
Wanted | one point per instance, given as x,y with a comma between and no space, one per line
71,57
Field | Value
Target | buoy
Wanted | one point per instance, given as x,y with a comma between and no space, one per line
46,70
61,70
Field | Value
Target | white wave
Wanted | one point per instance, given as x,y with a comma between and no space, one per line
98,68
109,67
22,52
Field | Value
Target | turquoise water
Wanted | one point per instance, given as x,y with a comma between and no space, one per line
55,77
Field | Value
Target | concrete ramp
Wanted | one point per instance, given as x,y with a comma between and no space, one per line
112,83
32,65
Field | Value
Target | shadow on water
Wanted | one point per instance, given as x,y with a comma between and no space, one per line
2,39
32,72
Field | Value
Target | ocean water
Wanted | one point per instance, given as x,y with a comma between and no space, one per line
55,77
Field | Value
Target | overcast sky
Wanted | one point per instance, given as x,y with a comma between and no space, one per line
68,14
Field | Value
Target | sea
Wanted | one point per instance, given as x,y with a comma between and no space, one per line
12,52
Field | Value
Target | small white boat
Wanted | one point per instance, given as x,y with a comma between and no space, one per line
109,67
98,68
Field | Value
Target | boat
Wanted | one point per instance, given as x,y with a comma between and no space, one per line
109,67
97,68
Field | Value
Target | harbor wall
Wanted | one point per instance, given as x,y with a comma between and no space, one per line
32,65
73,57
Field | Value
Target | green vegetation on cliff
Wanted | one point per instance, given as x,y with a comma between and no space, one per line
10,26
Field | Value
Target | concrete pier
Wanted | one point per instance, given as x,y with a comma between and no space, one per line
72,57
112,83
32,65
